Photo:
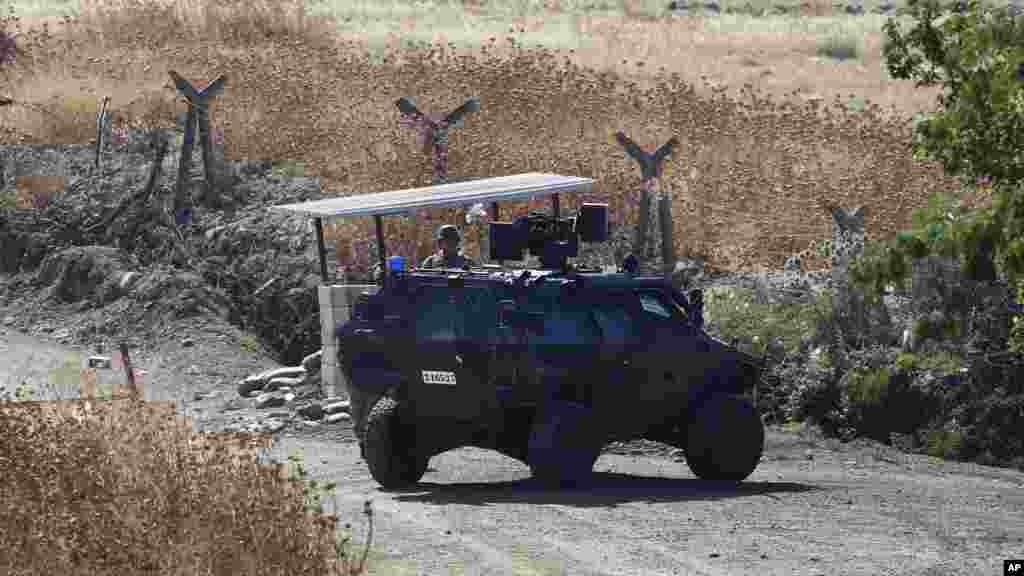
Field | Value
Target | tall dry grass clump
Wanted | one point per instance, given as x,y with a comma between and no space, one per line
128,487
749,180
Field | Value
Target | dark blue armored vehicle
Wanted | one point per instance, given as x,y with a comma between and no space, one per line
545,365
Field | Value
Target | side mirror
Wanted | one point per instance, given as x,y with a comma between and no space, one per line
696,298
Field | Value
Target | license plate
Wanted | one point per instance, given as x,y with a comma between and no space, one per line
438,377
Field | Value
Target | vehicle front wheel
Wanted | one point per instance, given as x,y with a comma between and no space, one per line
725,440
389,450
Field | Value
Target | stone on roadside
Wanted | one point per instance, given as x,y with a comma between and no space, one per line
247,387
270,400
339,417
336,407
277,383
233,404
312,363
272,425
283,372
312,411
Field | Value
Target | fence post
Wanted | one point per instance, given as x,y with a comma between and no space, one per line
433,129
101,120
198,113
129,374
650,174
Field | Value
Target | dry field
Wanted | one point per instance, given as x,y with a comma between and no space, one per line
772,128
118,487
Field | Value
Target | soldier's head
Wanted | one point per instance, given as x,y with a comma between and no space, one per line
448,239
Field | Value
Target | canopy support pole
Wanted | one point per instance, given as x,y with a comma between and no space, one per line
494,218
321,249
379,221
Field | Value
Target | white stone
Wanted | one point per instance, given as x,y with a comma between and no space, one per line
336,407
278,383
339,417
284,372
312,362
270,400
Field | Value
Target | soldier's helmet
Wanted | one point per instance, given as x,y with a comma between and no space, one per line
448,231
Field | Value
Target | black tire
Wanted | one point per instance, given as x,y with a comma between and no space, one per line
725,441
563,446
388,449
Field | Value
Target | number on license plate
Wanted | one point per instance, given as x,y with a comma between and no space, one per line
439,377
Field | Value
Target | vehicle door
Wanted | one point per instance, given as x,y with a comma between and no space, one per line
621,396
561,354
667,354
448,364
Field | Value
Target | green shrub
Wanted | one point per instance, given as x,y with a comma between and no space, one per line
8,199
1016,342
759,325
943,444
288,168
868,387
248,343
941,362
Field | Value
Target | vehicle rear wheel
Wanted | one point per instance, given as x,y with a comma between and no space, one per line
563,446
388,448
726,439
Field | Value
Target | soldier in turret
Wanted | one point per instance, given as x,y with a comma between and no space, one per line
448,255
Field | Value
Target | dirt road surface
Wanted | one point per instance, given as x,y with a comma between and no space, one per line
813,507
807,510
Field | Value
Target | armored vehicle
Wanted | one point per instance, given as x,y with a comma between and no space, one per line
546,364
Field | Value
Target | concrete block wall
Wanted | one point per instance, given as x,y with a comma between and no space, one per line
335,306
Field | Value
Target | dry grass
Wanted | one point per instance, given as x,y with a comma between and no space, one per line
296,91
126,487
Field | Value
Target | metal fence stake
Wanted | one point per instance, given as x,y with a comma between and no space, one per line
650,174
198,113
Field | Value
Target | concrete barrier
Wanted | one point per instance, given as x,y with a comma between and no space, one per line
336,302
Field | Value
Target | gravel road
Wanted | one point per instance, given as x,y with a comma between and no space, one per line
813,507
806,510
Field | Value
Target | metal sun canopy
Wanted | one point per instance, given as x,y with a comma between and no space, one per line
507,188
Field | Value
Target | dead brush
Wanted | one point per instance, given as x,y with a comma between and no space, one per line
745,161
127,487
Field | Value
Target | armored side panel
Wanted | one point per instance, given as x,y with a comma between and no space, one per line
336,303
448,366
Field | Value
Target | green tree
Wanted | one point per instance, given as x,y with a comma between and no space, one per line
976,54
